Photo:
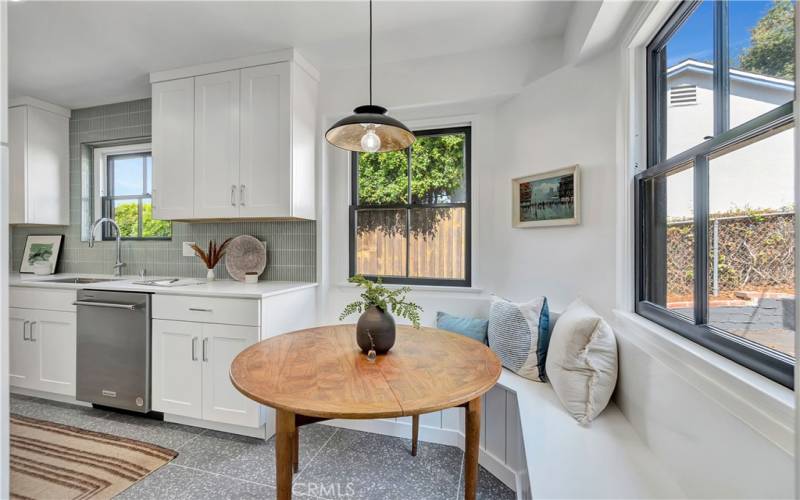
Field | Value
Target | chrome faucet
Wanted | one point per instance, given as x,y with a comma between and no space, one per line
119,265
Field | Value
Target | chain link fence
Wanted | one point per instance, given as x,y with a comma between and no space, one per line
746,252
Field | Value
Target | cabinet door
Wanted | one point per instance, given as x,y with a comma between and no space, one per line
54,335
176,368
173,149
22,352
221,401
265,171
17,159
216,140
47,176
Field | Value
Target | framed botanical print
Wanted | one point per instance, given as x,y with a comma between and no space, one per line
41,250
547,199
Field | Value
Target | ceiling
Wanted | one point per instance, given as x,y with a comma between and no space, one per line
80,54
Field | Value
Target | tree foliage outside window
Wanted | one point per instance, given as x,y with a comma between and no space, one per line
128,198
771,50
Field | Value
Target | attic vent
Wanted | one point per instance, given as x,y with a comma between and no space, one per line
683,95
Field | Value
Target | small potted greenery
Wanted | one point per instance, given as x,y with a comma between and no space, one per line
375,329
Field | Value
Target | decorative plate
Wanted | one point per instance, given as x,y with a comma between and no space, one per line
245,254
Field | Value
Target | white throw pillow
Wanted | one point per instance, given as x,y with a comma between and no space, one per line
519,334
582,361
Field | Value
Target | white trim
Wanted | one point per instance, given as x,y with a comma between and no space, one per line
765,406
100,169
50,396
37,103
256,432
736,74
277,56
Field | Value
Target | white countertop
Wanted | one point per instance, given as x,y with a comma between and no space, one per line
219,288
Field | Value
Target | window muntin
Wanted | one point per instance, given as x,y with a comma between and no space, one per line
410,212
128,198
690,278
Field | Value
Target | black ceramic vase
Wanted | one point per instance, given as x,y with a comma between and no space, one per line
380,325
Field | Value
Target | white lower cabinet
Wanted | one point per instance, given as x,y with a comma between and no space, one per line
176,368
42,350
191,364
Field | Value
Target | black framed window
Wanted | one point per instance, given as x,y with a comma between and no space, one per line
410,211
715,207
128,200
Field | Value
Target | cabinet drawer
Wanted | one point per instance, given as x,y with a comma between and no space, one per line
41,298
245,312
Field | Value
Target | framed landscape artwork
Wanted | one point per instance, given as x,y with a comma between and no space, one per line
547,199
41,248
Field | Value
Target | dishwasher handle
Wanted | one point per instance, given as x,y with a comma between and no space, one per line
130,307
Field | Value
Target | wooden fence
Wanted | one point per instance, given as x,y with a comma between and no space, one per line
437,241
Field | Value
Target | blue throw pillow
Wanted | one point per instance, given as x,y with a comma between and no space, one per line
473,328
519,334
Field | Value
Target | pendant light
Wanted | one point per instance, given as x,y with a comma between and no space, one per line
368,129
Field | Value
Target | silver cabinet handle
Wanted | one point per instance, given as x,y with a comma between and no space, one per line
33,339
25,330
200,309
205,349
194,348
233,195
241,195
130,307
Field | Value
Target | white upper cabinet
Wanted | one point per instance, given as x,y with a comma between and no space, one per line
216,138
173,149
38,144
265,142
254,137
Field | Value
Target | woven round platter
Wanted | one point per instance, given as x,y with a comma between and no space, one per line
245,254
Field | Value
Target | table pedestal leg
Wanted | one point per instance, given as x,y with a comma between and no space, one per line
473,438
285,435
414,434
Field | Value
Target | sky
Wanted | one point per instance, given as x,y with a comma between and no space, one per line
694,39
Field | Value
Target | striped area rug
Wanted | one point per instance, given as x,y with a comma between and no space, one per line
54,461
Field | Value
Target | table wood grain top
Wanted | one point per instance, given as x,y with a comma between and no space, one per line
321,372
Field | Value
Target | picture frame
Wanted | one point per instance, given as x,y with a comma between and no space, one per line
41,248
547,199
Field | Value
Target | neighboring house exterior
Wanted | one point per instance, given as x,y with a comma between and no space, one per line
759,176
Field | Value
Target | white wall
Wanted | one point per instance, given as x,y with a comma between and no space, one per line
568,115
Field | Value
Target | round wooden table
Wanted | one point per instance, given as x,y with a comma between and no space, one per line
320,373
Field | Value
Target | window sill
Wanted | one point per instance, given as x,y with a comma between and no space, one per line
424,288
764,405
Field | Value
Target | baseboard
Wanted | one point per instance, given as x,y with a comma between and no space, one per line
450,437
61,398
256,432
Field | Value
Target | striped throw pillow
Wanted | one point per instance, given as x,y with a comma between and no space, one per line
519,335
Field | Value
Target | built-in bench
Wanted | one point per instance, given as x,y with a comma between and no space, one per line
563,459
531,443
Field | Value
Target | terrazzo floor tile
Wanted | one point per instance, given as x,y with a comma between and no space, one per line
158,432
371,466
176,482
489,487
61,413
247,458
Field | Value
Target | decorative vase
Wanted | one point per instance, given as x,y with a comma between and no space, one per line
380,325
210,275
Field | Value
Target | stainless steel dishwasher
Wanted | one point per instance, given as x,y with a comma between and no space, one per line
113,366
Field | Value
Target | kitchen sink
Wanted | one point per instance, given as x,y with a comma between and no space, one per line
80,281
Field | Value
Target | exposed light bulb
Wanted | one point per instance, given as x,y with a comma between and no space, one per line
370,142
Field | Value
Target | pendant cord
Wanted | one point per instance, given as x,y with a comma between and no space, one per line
370,52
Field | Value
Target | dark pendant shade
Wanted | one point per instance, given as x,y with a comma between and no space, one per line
348,132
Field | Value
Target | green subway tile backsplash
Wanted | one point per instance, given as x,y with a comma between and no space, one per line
291,245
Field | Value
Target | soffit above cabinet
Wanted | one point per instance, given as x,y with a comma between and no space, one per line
286,55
